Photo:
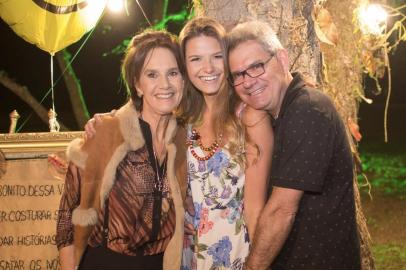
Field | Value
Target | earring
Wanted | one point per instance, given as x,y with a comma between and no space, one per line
139,93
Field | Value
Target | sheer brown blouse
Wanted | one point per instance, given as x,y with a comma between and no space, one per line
130,209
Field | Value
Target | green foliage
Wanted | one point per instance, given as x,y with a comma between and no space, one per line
178,17
119,49
390,257
372,223
384,171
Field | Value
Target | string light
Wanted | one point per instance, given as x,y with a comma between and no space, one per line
93,12
372,19
115,5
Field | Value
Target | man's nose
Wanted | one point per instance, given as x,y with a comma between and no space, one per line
248,81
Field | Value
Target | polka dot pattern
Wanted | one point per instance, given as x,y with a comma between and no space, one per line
311,153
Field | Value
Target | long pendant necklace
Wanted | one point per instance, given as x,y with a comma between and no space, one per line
211,150
159,183
157,205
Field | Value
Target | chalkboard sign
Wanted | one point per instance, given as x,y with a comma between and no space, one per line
32,174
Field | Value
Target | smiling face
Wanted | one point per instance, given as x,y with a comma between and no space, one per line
160,82
266,91
205,64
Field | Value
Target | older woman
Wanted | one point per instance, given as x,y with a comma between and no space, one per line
121,206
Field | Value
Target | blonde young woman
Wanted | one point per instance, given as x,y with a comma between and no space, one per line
228,155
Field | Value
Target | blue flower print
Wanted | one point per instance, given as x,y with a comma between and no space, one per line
226,192
213,191
233,216
198,210
234,180
220,252
217,163
209,201
191,172
202,166
233,204
235,211
192,168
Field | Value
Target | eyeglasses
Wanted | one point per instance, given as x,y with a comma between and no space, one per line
253,71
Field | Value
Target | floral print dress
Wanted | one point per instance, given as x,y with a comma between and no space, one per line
216,187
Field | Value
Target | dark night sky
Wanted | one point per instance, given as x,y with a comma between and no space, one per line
99,76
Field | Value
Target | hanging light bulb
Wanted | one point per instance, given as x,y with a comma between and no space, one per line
115,5
93,12
372,19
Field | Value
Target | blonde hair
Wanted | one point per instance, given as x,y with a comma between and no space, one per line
193,104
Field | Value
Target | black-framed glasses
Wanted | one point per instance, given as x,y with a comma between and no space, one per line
253,71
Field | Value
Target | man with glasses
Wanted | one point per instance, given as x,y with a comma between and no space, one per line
309,220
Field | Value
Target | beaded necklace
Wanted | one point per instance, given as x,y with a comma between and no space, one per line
212,149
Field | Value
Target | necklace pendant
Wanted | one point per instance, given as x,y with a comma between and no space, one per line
195,135
159,181
159,186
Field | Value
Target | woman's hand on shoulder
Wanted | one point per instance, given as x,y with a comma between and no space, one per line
251,117
90,129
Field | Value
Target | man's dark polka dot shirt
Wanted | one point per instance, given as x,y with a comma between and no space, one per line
312,154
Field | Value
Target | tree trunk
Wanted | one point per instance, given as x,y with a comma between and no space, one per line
290,19
341,75
23,92
74,88
342,80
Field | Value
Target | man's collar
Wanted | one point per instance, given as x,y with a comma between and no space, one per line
292,90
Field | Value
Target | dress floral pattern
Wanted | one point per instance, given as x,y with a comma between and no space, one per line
217,187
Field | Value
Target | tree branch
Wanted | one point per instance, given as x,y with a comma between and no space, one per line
23,92
74,89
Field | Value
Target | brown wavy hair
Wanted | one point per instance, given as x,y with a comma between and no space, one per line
138,49
192,105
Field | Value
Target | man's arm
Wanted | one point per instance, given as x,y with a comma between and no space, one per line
274,226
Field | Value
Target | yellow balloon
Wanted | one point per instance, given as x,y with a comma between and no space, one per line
51,24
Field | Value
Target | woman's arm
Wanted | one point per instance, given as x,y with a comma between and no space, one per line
67,258
64,228
89,127
259,148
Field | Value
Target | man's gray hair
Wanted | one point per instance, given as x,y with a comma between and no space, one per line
254,30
